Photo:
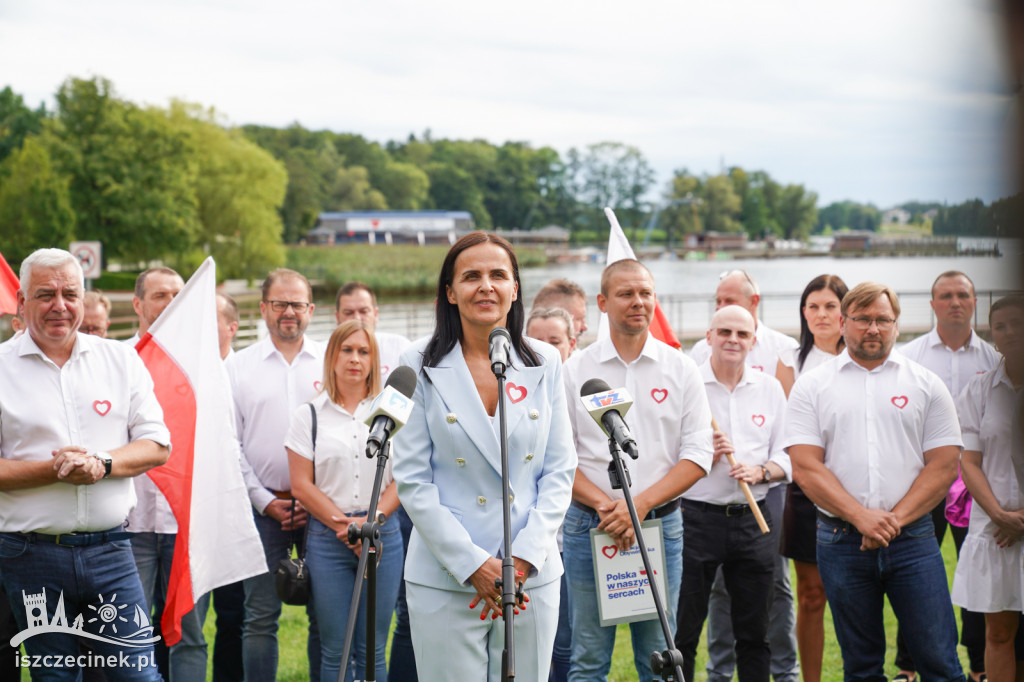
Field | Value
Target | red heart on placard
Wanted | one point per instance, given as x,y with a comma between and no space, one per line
317,385
759,368
900,401
102,407
758,419
515,393
659,394
610,551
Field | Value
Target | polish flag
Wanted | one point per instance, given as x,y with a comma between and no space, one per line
8,288
202,479
619,249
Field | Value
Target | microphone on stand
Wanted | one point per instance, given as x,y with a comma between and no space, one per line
500,347
608,407
391,409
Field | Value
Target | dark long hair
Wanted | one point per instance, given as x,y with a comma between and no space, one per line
838,287
448,327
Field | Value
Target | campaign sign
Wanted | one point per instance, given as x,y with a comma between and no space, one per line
623,589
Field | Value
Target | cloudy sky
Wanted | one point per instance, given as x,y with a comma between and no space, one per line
875,100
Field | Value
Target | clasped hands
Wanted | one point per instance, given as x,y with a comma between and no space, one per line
76,466
488,594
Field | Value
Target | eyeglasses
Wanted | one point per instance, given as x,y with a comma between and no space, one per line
883,323
281,306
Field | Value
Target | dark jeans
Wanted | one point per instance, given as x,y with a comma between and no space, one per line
561,655
972,630
229,604
910,572
402,664
747,558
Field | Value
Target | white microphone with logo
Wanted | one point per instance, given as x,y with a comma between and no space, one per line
608,407
391,409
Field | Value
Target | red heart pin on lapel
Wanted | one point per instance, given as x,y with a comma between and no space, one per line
900,401
758,419
102,407
515,393
659,394
610,551
384,369
317,385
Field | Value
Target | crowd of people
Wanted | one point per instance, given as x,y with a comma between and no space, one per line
844,446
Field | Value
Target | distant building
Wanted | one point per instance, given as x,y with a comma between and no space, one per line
896,215
717,241
852,241
551,235
390,227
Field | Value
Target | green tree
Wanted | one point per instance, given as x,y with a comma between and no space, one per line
17,121
797,211
35,204
721,205
454,189
618,176
404,185
350,190
681,216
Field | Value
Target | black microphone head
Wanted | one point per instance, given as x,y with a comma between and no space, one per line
500,331
592,386
403,380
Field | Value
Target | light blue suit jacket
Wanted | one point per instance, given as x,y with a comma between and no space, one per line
447,462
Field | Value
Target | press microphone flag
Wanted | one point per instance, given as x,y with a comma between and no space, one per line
500,345
608,407
391,409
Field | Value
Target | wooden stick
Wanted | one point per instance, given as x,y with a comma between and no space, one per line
761,523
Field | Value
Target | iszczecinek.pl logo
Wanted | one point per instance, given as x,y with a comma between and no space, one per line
112,622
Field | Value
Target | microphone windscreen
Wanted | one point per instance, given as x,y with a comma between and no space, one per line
403,380
592,386
500,331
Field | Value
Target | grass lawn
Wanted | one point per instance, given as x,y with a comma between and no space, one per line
294,667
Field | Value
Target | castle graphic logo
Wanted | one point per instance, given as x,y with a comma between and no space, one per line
108,621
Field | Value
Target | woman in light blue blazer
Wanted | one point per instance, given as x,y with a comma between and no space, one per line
447,464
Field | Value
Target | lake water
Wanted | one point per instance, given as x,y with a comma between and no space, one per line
686,288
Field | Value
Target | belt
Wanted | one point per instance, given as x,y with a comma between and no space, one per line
78,539
726,509
836,521
656,513
283,494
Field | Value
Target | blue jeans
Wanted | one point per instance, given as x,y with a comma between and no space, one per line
154,553
561,655
82,576
402,666
332,573
592,644
263,609
911,573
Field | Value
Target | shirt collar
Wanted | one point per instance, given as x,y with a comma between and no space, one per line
708,374
999,375
269,349
973,341
27,346
607,351
844,360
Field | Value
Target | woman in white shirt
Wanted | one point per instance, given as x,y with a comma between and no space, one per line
989,578
333,479
820,340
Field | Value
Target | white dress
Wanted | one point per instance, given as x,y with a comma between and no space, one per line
990,579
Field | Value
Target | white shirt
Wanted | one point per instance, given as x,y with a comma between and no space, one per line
764,356
101,399
753,415
815,358
670,418
341,468
875,426
954,367
390,348
267,390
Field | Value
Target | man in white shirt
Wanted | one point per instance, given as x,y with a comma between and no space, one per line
227,324
956,353
356,301
671,423
874,440
96,320
78,420
721,531
570,297
739,288
269,379
151,524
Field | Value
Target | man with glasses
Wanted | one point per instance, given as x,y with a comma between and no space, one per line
269,379
96,320
874,441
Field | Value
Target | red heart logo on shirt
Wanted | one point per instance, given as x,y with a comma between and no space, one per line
317,385
515,393
659,394
759,368
758,419
102,407
900,401
610,551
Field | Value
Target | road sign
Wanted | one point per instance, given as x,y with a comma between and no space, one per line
89,254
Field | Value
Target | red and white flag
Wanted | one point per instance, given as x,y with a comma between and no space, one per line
202,479
619,249
8,288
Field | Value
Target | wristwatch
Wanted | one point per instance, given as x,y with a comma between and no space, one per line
767,478
381,518
107,461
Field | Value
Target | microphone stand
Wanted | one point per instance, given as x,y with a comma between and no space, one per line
369,533
667,663
511,591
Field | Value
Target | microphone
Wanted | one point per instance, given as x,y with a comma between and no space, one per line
500,343
608,407
391,409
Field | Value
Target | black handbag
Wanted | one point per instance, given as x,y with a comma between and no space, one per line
291,579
